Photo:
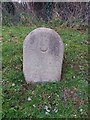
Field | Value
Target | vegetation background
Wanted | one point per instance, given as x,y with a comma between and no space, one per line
67,98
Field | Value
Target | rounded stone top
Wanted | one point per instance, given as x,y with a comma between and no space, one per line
44,40
42,33
45,30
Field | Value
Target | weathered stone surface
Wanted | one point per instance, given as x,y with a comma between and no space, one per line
43,52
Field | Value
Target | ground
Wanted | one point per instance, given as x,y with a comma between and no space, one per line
67,98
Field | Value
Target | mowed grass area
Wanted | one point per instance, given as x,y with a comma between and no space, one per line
67,98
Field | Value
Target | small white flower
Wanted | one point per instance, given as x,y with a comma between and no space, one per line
57,95
73,76
15,90
66,44
48,96
34,105
74,115
81,110
46,113
55,110
29,99
46,108
13,84
81,56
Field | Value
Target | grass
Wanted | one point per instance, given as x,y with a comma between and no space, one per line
67,98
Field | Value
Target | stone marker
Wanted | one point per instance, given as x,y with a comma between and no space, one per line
43,52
